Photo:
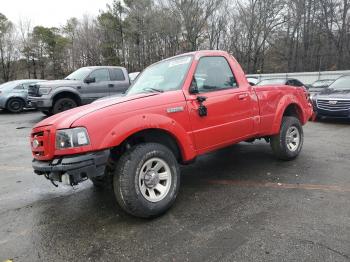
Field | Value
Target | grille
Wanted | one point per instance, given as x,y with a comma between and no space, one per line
33,90
40,147
333,104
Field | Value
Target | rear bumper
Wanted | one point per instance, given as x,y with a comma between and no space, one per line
39,102
78,168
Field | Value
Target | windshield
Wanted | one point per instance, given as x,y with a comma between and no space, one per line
322,83
80,74
164,76
342,83
267,82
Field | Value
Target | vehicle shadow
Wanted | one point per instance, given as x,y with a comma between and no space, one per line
25,119
25,111
342,121
239,162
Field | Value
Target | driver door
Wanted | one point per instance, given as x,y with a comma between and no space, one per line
229,114
98,88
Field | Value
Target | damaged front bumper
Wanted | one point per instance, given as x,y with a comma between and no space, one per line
73,169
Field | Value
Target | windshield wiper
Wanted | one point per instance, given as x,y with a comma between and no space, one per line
151,89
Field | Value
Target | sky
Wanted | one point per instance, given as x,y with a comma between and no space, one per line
50,13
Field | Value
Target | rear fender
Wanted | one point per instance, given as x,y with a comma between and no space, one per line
286,101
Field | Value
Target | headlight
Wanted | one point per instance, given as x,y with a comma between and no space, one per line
73,137
44,90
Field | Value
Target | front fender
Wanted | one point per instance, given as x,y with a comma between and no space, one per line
61,89
16,95
124,129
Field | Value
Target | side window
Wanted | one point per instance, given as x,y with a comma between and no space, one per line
19,87
26,85
214,73
117,74
100,75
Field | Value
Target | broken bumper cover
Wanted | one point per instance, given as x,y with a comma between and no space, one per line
40,102
78,168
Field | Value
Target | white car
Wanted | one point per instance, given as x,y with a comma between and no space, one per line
252,80
133,76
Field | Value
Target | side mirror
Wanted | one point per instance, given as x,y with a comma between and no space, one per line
89,80
194,87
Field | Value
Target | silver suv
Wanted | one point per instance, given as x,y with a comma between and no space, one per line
13,94
81,87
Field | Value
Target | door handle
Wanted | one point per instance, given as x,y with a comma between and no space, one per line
110,85
242,96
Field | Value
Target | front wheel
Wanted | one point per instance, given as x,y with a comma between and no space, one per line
147,180
15,105
288,143
63,104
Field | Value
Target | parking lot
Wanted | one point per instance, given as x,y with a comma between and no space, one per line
236,204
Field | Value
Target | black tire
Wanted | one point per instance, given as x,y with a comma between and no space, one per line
126,180
63,104
279,142
15,105
47,112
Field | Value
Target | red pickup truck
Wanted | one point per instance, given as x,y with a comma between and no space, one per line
177,109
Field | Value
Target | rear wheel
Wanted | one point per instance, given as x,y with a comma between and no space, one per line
15,105
147,180
63,104
288,143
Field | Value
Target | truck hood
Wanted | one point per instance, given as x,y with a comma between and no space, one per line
109,97
316,89
58,83
329,93
67,118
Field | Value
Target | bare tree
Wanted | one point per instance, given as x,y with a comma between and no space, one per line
217,26
89,42
264,35
335,19
194,15
8,50
25,45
